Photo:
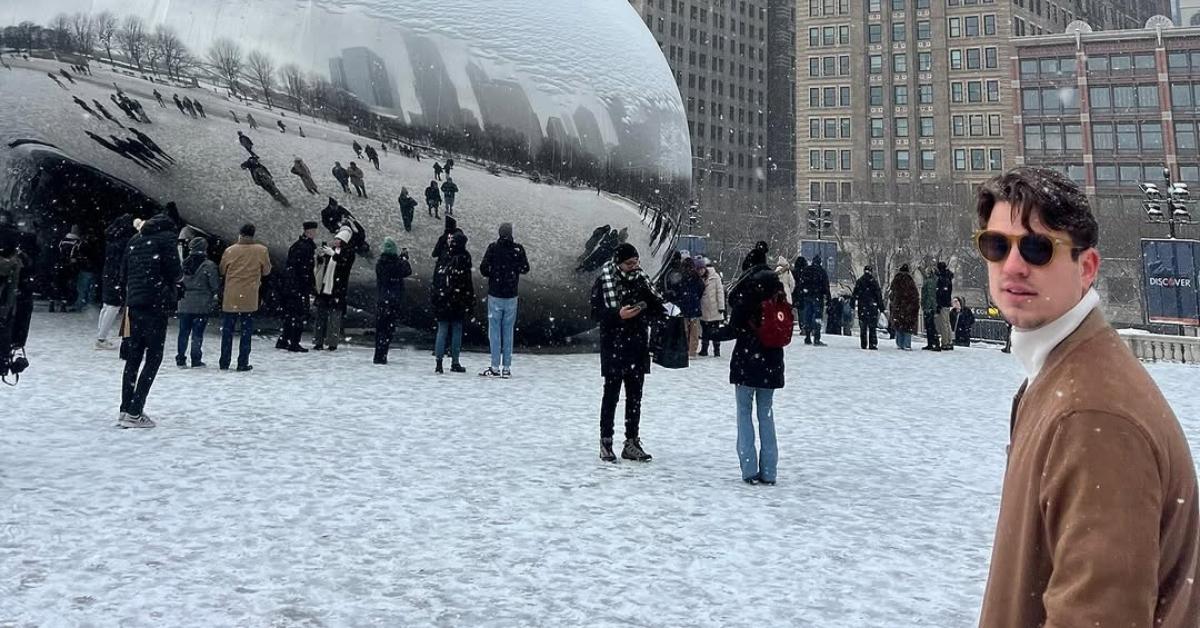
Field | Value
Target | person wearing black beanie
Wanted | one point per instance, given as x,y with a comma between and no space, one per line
756,256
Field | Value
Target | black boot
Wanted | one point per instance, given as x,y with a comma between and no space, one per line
438,369
633,450
606,450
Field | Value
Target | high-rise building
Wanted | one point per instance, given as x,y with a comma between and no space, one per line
903,106
1186,12
363,73
1111,109
734,62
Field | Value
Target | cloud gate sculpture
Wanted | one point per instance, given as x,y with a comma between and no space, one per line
562,119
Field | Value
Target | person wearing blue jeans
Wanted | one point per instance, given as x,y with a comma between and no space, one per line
449,331
755,369
452,295
502,317
228,321
759,464
503,264
191,326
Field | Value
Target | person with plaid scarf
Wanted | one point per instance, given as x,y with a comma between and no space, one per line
623,301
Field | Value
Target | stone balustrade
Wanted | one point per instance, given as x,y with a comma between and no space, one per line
1161,348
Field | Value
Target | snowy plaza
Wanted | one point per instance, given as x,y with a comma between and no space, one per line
322,490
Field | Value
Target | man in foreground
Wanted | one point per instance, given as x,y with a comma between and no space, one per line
1098,521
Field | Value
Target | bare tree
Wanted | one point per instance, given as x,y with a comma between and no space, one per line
320,91
105,25
262,70
225,57
60,33
294,84
83,32
167,47
133,40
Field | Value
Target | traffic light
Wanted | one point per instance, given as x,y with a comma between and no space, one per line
819,218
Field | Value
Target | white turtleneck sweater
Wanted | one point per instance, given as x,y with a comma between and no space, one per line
1032,346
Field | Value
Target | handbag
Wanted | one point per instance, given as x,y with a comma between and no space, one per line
669,342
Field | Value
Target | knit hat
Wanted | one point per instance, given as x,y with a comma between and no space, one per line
310,224
198,244
344,234
389,247
625,251
137,223
506,230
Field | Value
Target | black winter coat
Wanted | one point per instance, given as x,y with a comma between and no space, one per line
962,321
625,344
503,264
443,242
151,267
298,273
945,288
390,273
868,298
452,293
814,283
116,240
751,363
344,259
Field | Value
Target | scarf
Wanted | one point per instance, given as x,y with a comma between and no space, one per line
330,270
615,284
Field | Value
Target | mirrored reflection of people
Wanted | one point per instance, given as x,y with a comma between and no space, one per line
251,121
158,97
437,171
623,300
358,152
372,156
343,177
263,179
1099,521
300,169
356,178
433,199
449,191
246,143
408,207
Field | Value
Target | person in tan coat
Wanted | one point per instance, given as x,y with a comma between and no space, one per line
243,266
1099,522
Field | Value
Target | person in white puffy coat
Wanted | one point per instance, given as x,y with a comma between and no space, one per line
712,309
783,268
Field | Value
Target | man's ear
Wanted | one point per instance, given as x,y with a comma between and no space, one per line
1089,262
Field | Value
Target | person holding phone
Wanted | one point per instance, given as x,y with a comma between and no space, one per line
623,301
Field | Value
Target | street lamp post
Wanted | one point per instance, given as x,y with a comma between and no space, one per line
1171,207
819,218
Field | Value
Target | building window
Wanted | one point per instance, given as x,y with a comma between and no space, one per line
900,63
900,95
994,125
814,191
829,97
924,61
843,37
958,126
990,59
898,34
974,60
830,162
924,31
1147,96
1099,98
845,124
814,128
927,125
956,59
828,36
874,6
831,128
978,159
898,5
844,159
995,159
876,96
989,25
1152,137
975,125
954,26
831,190
814,97
875,64
1072,137
845,197
925,94
814,160
971,26
993,91
843,93
1185,136
901,125
876,160
814,37
960,159
956,92
844,65
902,160
1181,96
874,33
928,159
876,127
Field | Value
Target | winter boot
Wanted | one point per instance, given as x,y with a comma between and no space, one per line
181,362
606,450
281,344
455,367
438,369
633,450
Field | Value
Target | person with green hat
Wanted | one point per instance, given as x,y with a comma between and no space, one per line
390,271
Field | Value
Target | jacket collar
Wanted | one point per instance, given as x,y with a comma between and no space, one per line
1035,348
244,240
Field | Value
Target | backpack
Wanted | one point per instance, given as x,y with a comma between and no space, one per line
774,331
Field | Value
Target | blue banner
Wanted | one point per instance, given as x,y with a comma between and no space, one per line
1169,278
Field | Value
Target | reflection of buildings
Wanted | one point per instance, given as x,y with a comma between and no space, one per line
364,74
727,57
1133,107
1187,12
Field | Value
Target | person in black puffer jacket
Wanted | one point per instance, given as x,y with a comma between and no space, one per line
868,299
754,370
111,290
503,264
945,292
623,302
149,272
390,271
298,283
453,296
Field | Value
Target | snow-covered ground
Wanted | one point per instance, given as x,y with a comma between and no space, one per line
322,490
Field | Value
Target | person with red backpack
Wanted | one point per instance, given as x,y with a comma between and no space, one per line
761,325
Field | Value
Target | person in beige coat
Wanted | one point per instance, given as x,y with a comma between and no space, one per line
712,309
783,268
243,266
1099,520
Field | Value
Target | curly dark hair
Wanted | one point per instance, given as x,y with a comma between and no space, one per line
1056,199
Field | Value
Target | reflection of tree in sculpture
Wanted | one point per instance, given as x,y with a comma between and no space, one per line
225,56
132,38
262,68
